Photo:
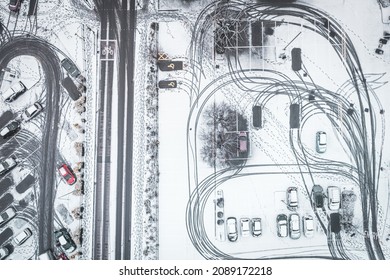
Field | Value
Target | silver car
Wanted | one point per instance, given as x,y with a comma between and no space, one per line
308,226
231,224
295,226
321,142
256,227
292,198
245,227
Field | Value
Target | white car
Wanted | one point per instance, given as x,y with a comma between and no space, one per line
65,240
7,165
292,198
32,111
308,226
231,224
7,215
4,252
256,227
321,142
14,92
10,129
245,227
295,226
333,198
23,236
282,226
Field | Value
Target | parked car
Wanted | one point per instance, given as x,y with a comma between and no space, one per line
8,74
73,91
10,129
321,141
295,226
317,194
14,92
232,233
333,198
245,227
282,227
256,227
4,252
70,67
379,51
14,5
7,216
32,111
67,173
62,256
308,226
335,225
23,236
292,198
7,165
65,240
242,141
257,120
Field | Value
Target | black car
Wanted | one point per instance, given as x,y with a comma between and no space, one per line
379,51
65,240
10,129
317,195
335,225
70,67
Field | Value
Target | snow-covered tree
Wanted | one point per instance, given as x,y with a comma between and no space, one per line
218,136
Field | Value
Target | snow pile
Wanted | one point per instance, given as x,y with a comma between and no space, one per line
139,143
89,145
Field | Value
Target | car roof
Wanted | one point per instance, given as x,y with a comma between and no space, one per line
63,170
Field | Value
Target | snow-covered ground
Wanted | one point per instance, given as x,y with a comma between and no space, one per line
260,195
73,34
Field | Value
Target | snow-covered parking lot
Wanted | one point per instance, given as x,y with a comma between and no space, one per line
245,75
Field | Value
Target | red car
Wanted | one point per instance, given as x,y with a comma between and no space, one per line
67,173
14,5
62,256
